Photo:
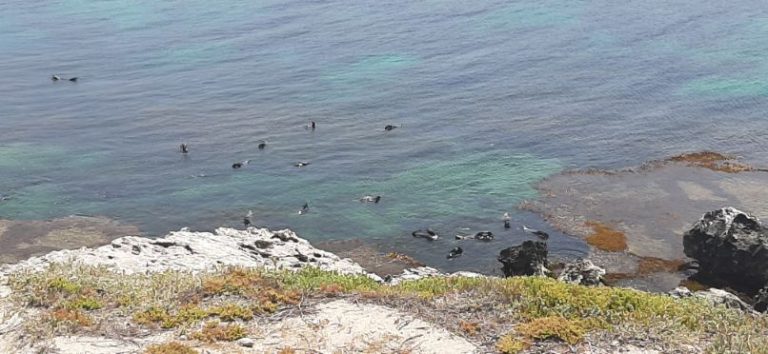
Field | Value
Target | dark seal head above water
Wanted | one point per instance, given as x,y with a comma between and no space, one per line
55,78
240,164
425,234
370,199
183,148
455,252
74,79
389,127
262,144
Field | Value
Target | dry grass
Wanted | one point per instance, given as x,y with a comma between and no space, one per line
606,238
470,328
569,331
170,348
214,332
76,298
510,344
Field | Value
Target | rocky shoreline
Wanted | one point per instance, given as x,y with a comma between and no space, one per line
255,248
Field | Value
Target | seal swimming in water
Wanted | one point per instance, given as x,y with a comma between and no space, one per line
389,127
506,219
540,234
455,252
183,148
481,236
370,199
240,164
301,163
262,144
304,209
428,234
74,79
55,78
247,219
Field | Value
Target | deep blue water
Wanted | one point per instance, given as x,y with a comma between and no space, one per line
492,96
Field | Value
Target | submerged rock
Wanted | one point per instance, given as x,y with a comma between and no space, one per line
731,248
582,272
529,258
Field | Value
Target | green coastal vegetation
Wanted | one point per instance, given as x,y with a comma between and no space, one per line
515,313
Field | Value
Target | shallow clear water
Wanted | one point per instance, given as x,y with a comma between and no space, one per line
492,96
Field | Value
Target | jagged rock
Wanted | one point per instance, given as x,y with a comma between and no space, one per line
425,272
529,258
761,300
199,251
246,342
582,272
714,296
731,249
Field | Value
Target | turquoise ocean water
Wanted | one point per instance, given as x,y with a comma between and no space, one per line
492,96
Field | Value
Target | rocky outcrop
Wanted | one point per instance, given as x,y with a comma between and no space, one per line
731,248
529,258
200,251
425,272
714,296
582,272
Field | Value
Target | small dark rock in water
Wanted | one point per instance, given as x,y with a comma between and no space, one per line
426,234
529,258
455,252
389,127
731,248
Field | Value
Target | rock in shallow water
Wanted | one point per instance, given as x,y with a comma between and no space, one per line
731,247
529,258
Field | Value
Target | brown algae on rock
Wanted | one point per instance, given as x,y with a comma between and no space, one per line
606,238
652,204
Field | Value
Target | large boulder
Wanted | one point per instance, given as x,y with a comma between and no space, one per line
582,272
529,258
731,248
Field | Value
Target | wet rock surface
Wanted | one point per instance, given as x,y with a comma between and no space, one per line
731,248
